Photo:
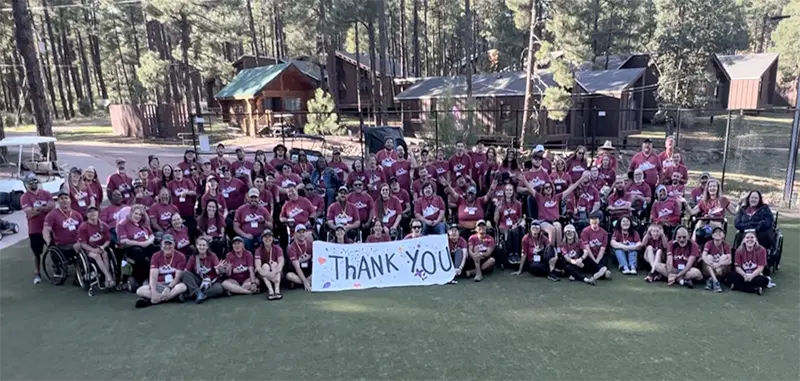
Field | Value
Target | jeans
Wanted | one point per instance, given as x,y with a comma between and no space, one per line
435,229
626,259
252,244
193,283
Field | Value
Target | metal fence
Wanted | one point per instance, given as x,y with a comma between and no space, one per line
745,149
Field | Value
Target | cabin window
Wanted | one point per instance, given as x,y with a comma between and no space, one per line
292,104
505,112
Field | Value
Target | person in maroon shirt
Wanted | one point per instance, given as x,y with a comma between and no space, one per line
137,241
79,192
572,255
607,150
281,156
666,155
424,177
509,220
440,167
340,236
559,176
184,195
220,161
430,209
416,230
110,213
167,175
297,210
716,259
338,166
403,168
485,173
161,212
94,237
269,265
241,167
469,209
91,179
401,195
300,252
387,156
250,220
180,233
185,165
655,244
510,163
459,164
478,157
672,166
675,189
620,202
481,252
711,208
166,270
316,196
585,202
363,203
357,173
120,181
202,273
212,192
388,210
666,210
626,243
546,163
648,162
303,167
458,249
343,213
751,259
597,181
36,204
258,170
576,163
265,196
150,184
378,233
153,167
140,195
682,256
697,193
61,226
639,187
375,176
211,224
538,254
233,190
595,243
288,179
240,269
607,172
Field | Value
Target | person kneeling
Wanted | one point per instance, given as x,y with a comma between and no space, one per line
540,254
201,275
481,248
751,258
716,259
239,268
166,267
269,265
681,257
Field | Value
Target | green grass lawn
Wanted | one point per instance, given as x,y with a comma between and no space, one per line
504,328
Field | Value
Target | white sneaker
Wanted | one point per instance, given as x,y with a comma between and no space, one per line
632,272
625,271
37,279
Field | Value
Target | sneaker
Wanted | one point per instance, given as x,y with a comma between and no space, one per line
180,298
201,296
37,279
681,282
688,283
759,291
590,281
625,271
632,272
650,278
607,275
771,284
709,285
553,277
143,302
571,278
717,287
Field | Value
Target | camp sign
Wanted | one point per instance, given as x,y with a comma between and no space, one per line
412,262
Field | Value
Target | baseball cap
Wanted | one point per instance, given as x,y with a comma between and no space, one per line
31,179
392,179
168,238
570,228
453,226
62,193
137,183
343,188
706,175
536,223
266,232
472,190
75,170
481,222
596,214
237,238
120,160
538,148
144,169
339,226
299,228
253,192
648,140
91,208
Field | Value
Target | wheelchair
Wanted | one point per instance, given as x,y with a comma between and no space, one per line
90,277
7,228
56,263
774,250
703,238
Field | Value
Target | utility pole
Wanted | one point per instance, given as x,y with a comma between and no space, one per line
791,168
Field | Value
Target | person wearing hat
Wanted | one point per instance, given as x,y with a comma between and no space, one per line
674,166
80,194
666,210
577,163
94,237
458,248
137,241
61,226
378,233
36,203
595,243
716,259
166,269
363,203
387,156
189,159
120,181
303,167
682,256
281,156
297,208
538,255
338,166
648,162
219,160
251,219
213,192
339,236
388,209
140,194
606,150
572,256
241,167
640,189
481,250
269,265
202,275
697,193
469,208
240,269
184,195
430,209
344,214
460,164
750,261
300,252
401,195
233,190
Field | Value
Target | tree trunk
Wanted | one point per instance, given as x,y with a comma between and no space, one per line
13,86
4,149
24,99
427,47
173,71
374,91
468,36
87,79
26,45
415,63
403,42
330,63
254,41
121,65
94,48
69,57
384,78
187,80
48,78
134,35
530,77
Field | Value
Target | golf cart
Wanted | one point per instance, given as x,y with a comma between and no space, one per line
12,174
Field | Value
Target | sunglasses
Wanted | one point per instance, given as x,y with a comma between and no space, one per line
358,185
416,227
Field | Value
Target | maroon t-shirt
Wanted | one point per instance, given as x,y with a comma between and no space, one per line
439,168
94,235
301,252
481,244
167,266
357,175
317,201
459,243
429,207
386,157
162,214
375,178
303,169
403,196
657,244
572,250
240,265
460,165
668,171
97,191
478,159
612,160
182,241
402,170
642,190
587,199
575,168
288,180
110,214
213,227
714,208
649,164
510,213
145,200
273,256
241,168
383,238
64,225
133,232
717,251
392,209
207,266
537,177
233,191
626,238
608,175
277,163
217,162
532,247
221,204
681,254
80,199
750,260
185,204
549,207
667,212
300,210
363,203
561,181
697,194
470,213
252,220
594,238
37,199
340,169
617,201
342,215
675,191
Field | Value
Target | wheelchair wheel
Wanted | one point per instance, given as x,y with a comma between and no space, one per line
84,272
114,265
55,266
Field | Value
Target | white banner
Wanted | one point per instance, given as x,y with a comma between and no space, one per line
412,262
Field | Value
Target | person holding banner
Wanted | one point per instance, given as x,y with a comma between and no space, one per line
300,253
416,230
481,249
538,255
269,265
429,209
378,233
458,248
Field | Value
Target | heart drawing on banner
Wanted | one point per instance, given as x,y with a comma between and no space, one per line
326,285
321,260
356,285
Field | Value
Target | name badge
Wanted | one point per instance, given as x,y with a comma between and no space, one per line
127,195
537,258
509,222
168,278
81,203
304,265
253,224
182,199
71,227
681,267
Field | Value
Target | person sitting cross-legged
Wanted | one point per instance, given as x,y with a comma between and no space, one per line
458,248
682,255
166,267
239,269
269,265
538,255
481,248
595,243
751,258
716,259
626,244
202,273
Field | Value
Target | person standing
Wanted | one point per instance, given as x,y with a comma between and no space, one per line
36,203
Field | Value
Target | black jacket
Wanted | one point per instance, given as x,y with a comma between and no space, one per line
761,220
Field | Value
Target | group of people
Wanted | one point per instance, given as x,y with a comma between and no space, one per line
210,227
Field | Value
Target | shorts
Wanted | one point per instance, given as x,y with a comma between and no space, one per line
37,243
240,280
161,287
